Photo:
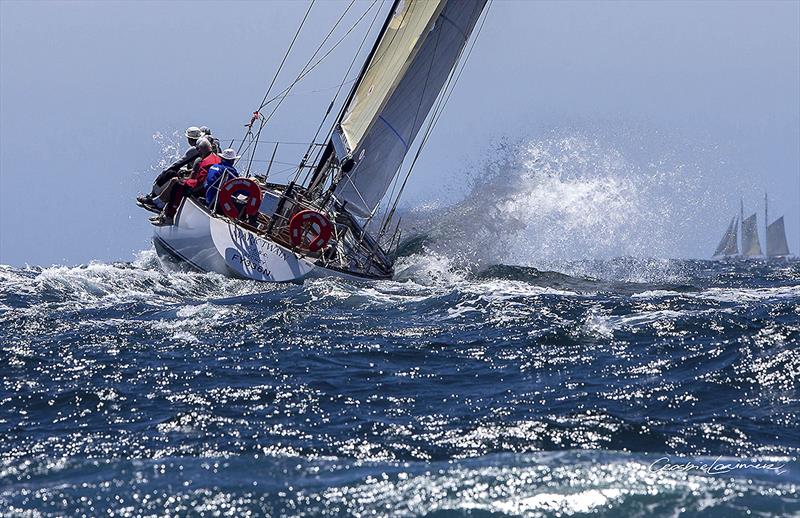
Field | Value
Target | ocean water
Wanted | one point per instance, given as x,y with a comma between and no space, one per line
651,388
495,375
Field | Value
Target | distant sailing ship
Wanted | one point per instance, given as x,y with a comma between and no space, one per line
751,246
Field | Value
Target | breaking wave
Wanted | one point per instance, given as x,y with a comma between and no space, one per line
561,202
509,391
508,369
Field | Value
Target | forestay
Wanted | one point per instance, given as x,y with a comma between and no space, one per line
409,67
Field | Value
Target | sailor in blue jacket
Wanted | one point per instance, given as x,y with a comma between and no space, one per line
219,174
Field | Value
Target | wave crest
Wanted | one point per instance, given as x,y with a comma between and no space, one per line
564,198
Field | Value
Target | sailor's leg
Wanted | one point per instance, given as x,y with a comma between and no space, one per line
179,191
162,179
165,192
166,199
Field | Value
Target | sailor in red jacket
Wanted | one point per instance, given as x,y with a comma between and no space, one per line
200,170
179,188
148,201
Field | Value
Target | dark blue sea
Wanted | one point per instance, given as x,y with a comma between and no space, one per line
625,387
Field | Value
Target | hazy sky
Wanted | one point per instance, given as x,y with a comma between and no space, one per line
86,85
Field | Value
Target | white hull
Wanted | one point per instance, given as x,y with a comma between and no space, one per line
214,244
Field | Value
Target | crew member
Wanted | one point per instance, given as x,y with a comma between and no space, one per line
219,174
202,165
178,188
193,133
206,131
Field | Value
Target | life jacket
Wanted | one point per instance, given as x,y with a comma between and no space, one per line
199,175
217,174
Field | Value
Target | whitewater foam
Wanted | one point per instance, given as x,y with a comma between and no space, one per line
143,280
568,197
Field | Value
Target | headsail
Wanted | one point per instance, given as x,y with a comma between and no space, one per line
776,239
751,246
409,67
392,56
728,245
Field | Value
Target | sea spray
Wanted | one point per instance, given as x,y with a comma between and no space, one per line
570,197
169,149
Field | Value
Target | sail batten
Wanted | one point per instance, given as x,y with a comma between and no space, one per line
413,58
396,50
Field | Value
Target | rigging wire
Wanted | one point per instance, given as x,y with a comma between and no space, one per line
280,67
437,112
258,113
344,79
344,36
281,142
416,116
305,70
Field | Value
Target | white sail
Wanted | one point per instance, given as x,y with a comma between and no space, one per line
728,245
408,69
776,239
751,246
395,51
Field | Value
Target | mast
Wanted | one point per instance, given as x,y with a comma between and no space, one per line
326,155
409,66
766,216
741,224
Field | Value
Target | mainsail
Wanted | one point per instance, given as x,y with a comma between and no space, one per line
751,246
728,244
406,72
776,239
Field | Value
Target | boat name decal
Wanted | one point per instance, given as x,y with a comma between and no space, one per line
249,263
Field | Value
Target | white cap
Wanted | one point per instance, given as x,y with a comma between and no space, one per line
193,132
229,154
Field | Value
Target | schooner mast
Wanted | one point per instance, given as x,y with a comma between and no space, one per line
775,238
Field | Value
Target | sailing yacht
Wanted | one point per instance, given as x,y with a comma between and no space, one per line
319,224
776,245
